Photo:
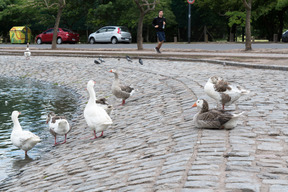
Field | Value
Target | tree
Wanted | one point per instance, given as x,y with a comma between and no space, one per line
61,5
248,7
145,6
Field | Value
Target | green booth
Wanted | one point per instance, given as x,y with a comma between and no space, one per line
20,34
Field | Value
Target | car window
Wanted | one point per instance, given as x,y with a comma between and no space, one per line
67,30
125,29
102,30
110,29
49,31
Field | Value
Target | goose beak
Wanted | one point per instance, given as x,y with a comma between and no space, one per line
194,105
110,71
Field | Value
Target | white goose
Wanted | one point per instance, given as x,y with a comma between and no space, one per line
214,119
222,91
27,53
120,91
96,117
58,125
24,140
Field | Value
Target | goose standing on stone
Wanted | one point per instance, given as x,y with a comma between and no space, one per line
96,117
214,119
105,105
222,91
27,53
58,125
120,91
24,140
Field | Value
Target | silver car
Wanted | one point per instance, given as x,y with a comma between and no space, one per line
113,34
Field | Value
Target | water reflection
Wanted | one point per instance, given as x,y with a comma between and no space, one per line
34,101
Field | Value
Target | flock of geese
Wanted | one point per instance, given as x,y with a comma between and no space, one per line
97,111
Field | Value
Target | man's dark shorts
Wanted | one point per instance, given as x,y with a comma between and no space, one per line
161,36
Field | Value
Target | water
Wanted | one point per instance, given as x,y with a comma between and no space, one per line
34,100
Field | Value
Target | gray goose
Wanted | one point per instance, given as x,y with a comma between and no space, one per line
215,119
222,91
120,91
58,125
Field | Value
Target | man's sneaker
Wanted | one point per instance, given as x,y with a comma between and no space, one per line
157,50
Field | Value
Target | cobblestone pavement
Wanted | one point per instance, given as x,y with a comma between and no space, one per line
153,144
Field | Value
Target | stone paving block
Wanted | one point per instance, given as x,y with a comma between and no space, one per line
249,187
278,188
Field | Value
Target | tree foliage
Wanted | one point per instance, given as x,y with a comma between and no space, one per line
220,17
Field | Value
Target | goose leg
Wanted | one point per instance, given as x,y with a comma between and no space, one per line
95,137
123,102
101,134
26,153
223,106
55,143
65,139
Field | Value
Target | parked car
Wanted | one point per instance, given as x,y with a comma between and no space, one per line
63,35
113,34
285,36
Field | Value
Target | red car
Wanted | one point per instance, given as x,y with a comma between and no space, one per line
64,35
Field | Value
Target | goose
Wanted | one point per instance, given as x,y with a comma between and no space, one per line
24,140
217,119
58,125
27,53
222,91
96,117
103,103
120,91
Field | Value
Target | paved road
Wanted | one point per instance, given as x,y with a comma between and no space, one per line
153,144
202,46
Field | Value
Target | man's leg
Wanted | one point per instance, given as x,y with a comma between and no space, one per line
159,44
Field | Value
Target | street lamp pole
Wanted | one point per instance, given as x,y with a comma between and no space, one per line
189,23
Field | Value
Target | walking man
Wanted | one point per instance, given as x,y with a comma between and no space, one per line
159,24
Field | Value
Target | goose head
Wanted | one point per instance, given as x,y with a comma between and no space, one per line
15,115
214,79
90,84
202,105
49,116
113,71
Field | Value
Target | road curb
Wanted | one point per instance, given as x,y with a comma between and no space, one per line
152,55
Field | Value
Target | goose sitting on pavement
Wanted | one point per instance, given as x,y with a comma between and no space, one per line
58,125
96,117
120,91
222,91
24,140
214,119
105,105
27,53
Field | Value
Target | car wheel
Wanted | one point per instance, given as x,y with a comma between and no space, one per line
114,40
91,40
39,41
59,40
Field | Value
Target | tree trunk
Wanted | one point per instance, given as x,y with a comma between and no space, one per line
56,26
140,31
248,7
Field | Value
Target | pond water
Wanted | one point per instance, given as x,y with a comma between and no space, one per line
34,100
